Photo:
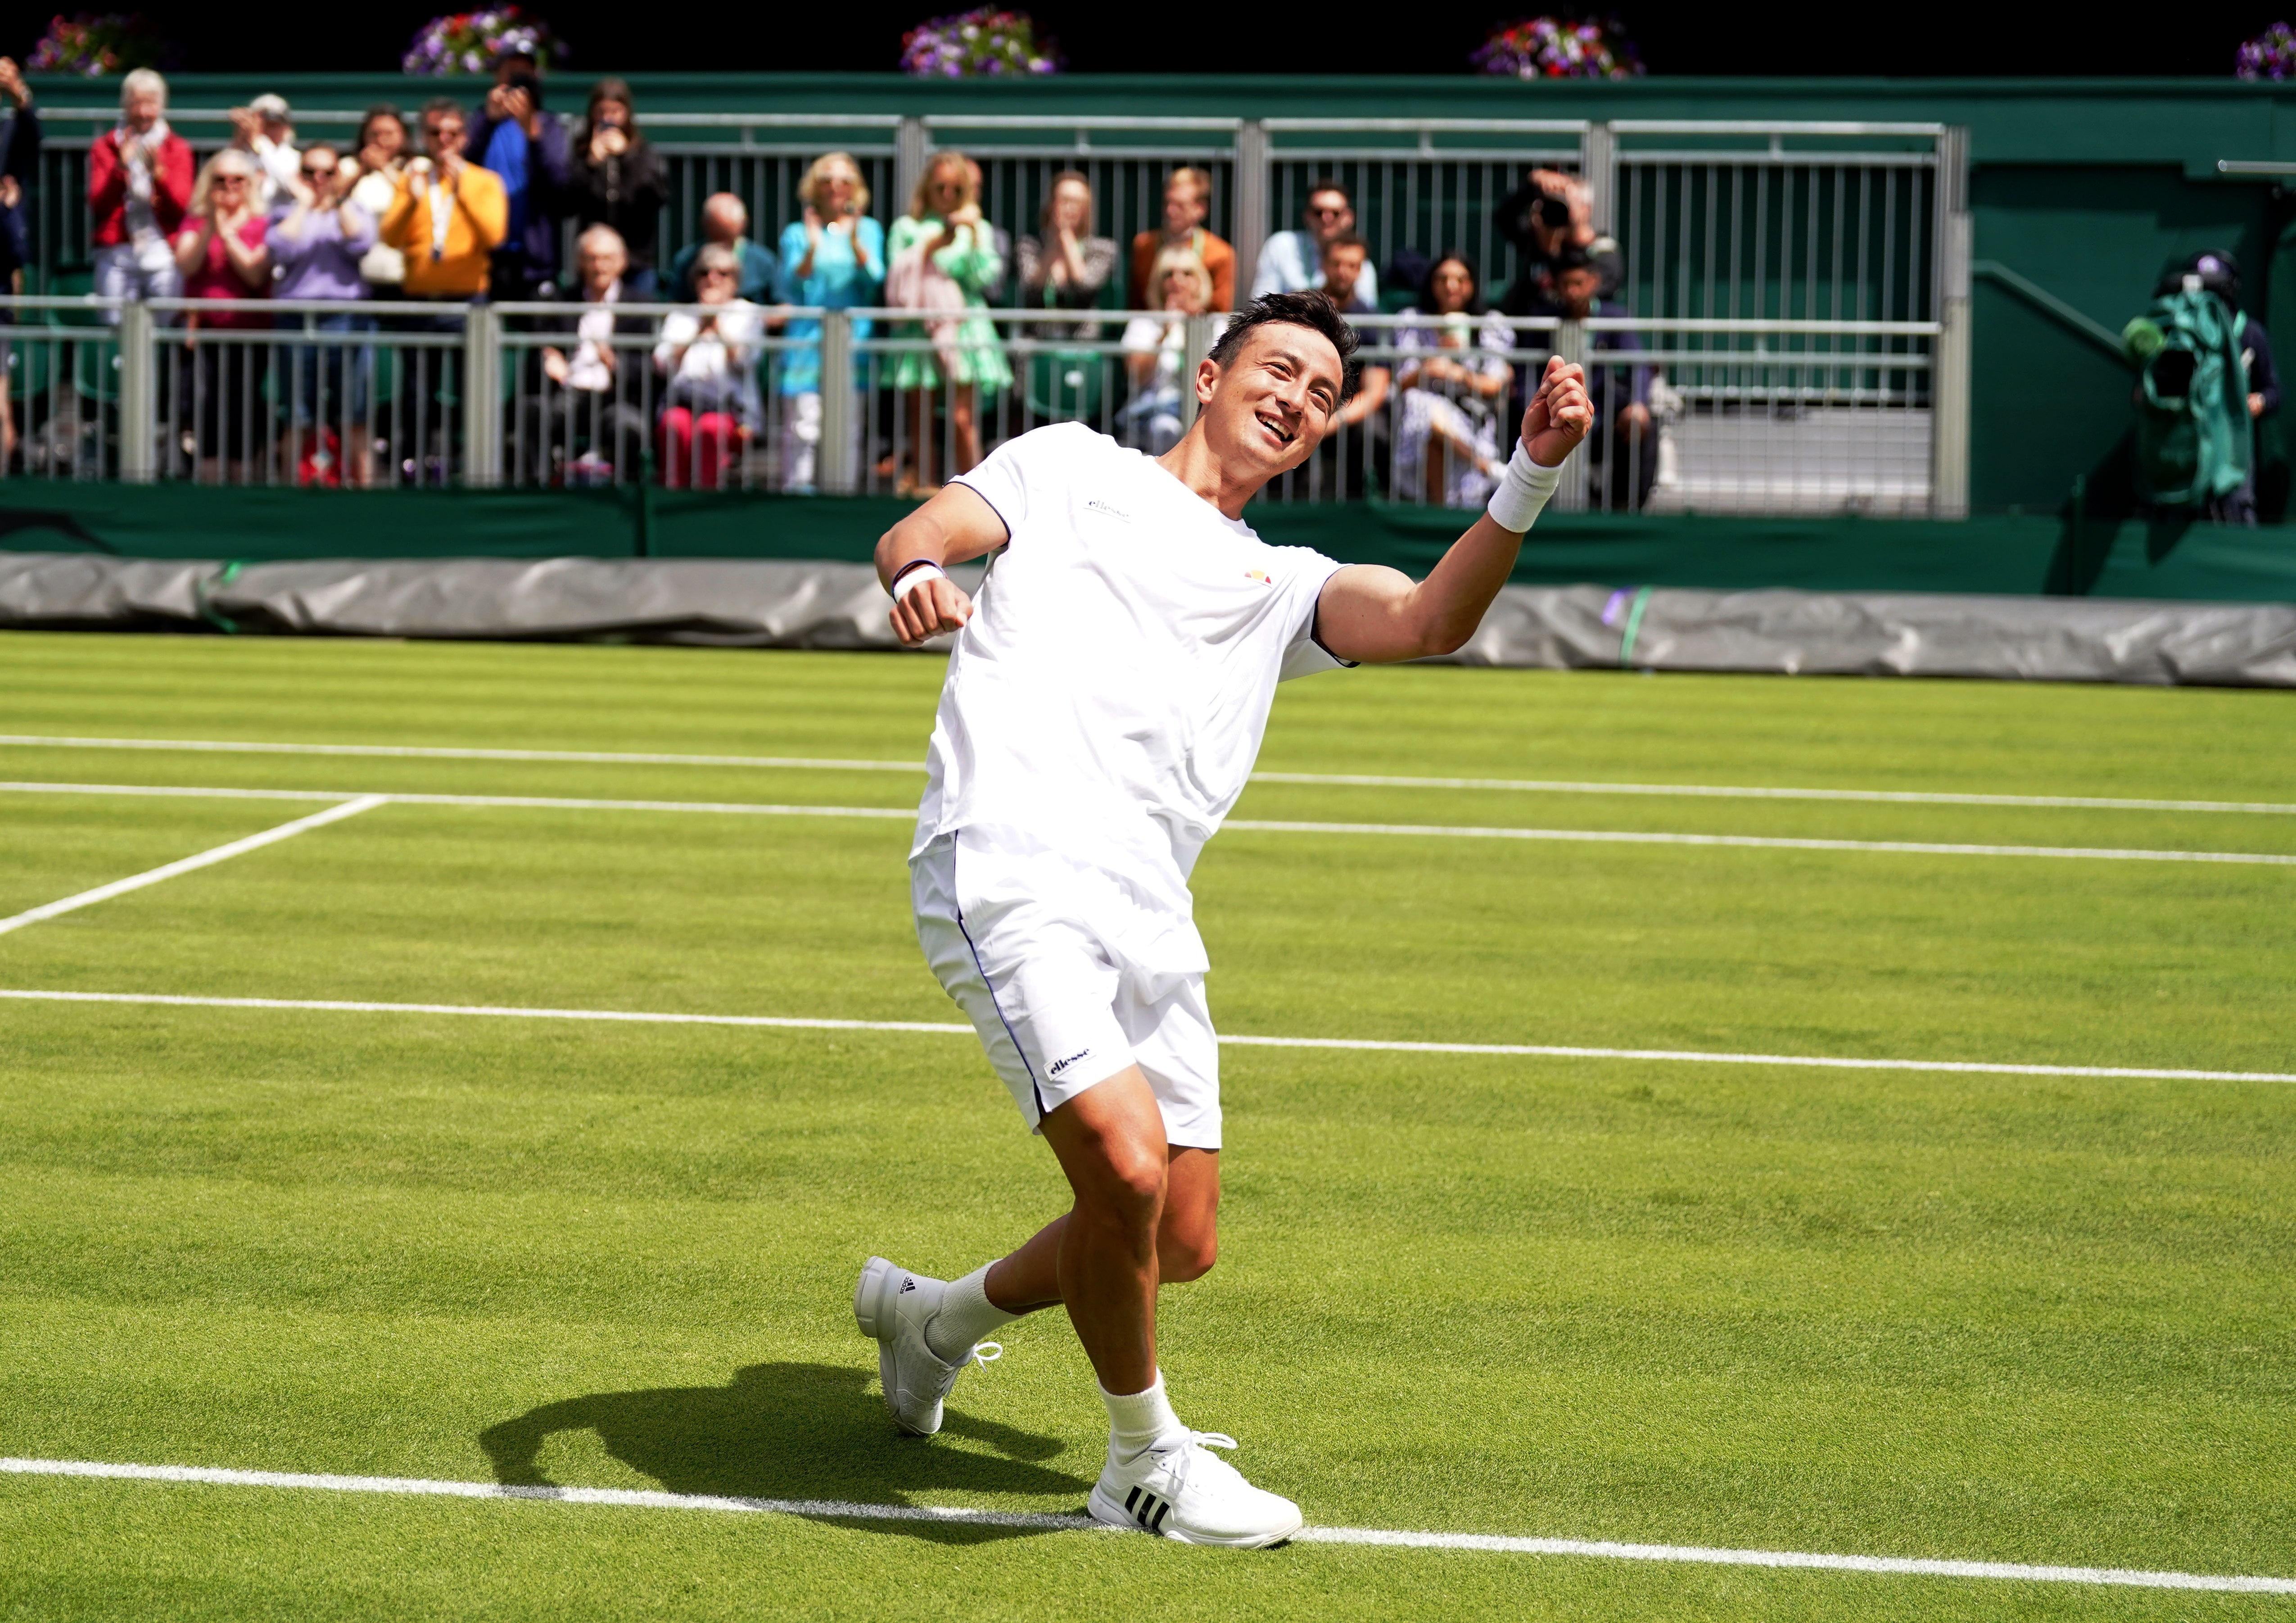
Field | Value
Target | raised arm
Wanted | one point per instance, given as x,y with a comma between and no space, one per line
1378,615
956,526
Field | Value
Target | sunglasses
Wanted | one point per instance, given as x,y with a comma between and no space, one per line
712,276
1330,213
319,174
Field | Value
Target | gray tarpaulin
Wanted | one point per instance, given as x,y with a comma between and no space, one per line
756,603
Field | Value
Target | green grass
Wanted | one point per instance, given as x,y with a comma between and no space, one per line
2014,1318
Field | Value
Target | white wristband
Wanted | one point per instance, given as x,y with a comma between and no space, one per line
913,575
1515,504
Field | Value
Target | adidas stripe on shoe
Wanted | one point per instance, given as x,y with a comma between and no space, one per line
1185,1492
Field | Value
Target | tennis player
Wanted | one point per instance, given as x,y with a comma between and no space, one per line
1104,707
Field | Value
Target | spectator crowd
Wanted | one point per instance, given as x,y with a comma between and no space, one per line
457,203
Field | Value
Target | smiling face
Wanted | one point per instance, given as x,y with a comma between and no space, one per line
142,110
1329,213
443,133
1451,287
839,186
1185,207
1183,289
1278,395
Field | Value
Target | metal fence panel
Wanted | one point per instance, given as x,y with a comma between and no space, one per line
1421,187
63,376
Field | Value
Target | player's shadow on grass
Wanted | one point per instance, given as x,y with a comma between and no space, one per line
792,1432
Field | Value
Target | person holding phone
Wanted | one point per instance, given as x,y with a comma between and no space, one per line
619,181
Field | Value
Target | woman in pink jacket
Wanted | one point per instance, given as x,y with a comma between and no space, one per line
139,181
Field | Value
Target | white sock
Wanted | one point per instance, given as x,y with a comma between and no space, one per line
965,1315
1138,1420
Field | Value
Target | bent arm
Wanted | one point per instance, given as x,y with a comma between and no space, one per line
956,526
1376,616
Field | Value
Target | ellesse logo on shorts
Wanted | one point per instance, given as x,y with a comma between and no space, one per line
1058,1065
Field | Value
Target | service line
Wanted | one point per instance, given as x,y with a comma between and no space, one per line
1530,786
192,864
839,1509
1359,1044
1759,842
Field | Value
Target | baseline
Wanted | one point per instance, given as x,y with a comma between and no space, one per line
1767,842
1614,836
848,1511
191,864
1530,786
1353,1044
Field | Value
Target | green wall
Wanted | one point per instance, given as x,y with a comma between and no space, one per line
1992,554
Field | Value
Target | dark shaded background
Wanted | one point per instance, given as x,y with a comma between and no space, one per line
1793,38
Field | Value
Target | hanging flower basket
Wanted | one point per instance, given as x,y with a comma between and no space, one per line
93,45
2271,54
471,42
1557,47
985,42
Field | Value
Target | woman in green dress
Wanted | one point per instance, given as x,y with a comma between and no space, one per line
941,258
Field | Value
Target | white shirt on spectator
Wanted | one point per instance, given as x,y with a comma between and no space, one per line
1289,262
1168,337
589,367
731,347
283,166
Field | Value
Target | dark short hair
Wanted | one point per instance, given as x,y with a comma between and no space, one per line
1573,258
440,106
1326,183
1313,311
1347,239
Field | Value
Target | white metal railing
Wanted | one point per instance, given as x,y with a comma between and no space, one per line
1718,415
1765,225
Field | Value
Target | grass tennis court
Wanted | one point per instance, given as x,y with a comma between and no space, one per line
2010,1317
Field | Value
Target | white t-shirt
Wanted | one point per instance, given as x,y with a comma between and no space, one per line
1107,697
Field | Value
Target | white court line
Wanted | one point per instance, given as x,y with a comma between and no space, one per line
1433,831
205,859
1535,786
444,753
843,1510
1361,1044
1768,842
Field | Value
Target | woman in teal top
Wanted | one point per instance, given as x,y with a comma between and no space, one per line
832,258
942,259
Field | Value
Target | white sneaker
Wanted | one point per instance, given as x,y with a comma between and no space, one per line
1188,1493
893,1307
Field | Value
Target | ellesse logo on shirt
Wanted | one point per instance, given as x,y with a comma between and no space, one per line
1097,506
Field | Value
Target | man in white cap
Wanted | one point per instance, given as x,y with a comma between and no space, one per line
265,128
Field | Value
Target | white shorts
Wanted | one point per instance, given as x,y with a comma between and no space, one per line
1023,943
